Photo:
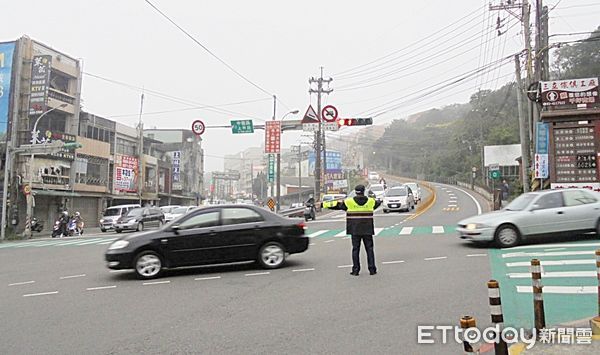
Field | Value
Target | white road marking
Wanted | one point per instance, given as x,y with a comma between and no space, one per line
118,271
67,243
258,273
344,266
561,289
329,241
452,205
436,258
100,288
71,277
107,242
555,249
156,283
90,241
406,230
341,234
40,294
438,230
557,274
316,234
346,237
207,278
472,198
555,246
311,244
474,255
378,230
21,283
552,253
302,270
555,262
393,262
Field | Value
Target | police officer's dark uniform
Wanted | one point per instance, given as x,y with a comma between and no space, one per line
359,224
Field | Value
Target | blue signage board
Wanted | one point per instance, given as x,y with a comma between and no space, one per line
542,138
6,62
334,162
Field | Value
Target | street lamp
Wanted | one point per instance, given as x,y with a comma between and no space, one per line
34,141
278,195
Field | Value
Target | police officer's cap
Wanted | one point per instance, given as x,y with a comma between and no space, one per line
360,189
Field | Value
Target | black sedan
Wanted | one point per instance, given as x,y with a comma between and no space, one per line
211,235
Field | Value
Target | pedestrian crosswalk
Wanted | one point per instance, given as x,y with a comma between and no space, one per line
393,231
57,243
569,280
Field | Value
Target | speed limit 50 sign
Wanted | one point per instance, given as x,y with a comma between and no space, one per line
198,127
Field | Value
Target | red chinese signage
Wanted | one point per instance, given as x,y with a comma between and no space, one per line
126,173
272,137
570,92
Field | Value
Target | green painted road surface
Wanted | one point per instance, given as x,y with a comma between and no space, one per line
568,276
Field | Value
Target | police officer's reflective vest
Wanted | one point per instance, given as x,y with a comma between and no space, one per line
356,210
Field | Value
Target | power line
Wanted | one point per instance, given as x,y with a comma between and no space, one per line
170,97
188,108
339,74
208,50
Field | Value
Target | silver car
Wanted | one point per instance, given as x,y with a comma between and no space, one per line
536,214
398,199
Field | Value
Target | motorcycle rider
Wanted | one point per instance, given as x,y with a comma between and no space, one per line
78,223
310,203
64,223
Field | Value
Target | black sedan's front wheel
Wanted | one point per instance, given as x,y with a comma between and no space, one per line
271,255
148,265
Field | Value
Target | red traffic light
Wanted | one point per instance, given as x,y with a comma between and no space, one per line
355,121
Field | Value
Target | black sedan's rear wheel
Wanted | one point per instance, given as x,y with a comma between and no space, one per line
507,236
148,265
271,255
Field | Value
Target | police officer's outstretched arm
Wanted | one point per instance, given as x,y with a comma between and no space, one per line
377,204
335,205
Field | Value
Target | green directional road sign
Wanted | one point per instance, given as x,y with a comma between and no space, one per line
242,126
271,173
495,174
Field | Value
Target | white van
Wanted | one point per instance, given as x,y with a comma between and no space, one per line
111,214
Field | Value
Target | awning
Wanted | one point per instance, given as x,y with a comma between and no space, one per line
55,193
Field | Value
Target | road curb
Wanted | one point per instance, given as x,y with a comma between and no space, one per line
429,202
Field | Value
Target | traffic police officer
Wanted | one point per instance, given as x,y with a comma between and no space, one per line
359,224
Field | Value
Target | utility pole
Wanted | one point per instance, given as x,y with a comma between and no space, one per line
141,150
320,136
523,132
524,17
274,113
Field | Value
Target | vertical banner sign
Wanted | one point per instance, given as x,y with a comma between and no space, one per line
176,170
6,60
271,172
541,147
272,137
40,78
126,173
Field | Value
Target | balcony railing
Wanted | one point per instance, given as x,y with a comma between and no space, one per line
60,96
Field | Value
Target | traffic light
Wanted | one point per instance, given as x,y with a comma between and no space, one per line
72,146
355,121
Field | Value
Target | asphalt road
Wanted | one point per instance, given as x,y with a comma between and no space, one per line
58,297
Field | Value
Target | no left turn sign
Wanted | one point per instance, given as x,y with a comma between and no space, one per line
198,127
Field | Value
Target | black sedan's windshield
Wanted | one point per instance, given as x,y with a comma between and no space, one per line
135,212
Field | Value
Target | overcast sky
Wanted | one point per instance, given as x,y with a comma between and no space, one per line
395,51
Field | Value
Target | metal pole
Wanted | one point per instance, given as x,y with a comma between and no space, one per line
300,173
598,272
523,130
12,140
500,347
141,151
538,298
278,189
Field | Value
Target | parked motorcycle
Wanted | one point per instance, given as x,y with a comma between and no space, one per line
36,225
309,212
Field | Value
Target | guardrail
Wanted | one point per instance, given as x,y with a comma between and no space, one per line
290,212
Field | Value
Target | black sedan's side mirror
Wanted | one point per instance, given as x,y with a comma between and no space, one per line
175,229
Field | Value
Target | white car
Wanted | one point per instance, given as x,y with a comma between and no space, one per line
398,199
178,212
373,176
416,190
536,214
378,190
169,208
